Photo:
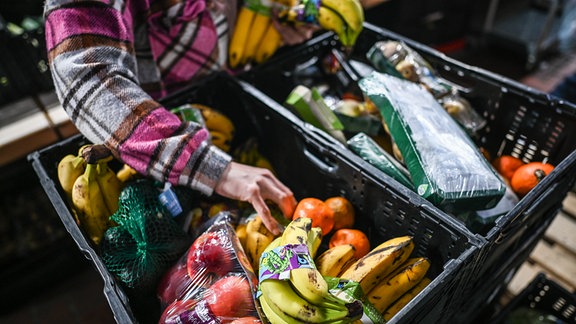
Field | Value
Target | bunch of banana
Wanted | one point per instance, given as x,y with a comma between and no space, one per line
372,268
257,238
335,260
400,281
254,39
304,296
93,188
219,125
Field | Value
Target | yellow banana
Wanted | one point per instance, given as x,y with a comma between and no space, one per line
126,173
275,315
332,21
353,15
241,234
110,185
216,121
334,260
240,36
257,31
221,141
369,270
405,299
257,240
70,167
88,201
314,240
297,231
398,282
271,41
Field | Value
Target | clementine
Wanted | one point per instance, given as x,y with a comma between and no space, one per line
322,216
506,165
344,215
528,176
351,236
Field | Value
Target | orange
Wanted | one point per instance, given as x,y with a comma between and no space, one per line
322,216
351,236
528,176
344,215
506,165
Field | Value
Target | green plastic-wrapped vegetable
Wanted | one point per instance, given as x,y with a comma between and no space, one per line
445,165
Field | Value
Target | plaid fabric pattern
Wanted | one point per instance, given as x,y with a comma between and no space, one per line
111,59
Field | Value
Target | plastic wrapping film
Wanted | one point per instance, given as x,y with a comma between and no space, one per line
372,153
213,282
445,165
398,59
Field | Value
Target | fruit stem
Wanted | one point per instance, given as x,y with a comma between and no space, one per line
540,174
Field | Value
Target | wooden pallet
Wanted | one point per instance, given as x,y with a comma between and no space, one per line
554,255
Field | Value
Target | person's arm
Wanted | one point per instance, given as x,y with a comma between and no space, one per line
91,56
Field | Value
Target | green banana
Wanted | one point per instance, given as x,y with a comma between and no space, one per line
88,201
275,315
282,298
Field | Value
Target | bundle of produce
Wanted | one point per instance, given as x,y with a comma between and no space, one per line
92,188
212,282
291,289
147,238
445,166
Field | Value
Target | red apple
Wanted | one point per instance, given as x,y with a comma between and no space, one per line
174,284
230,298
210,256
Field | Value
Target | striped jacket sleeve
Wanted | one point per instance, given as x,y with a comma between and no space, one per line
91,51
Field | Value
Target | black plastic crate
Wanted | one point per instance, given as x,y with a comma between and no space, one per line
546,297
482,294
311,167
519,119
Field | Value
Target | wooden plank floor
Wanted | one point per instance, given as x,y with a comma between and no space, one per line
554,255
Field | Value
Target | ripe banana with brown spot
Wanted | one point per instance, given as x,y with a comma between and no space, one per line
258,238
401,280
88,201
405,299
335,260
369,270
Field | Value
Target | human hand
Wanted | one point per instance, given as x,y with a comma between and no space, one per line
255,185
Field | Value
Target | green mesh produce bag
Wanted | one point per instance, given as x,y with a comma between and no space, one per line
147,239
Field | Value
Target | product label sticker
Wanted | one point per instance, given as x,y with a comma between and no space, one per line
277,263
169,200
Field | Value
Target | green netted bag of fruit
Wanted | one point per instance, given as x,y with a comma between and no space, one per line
148,239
